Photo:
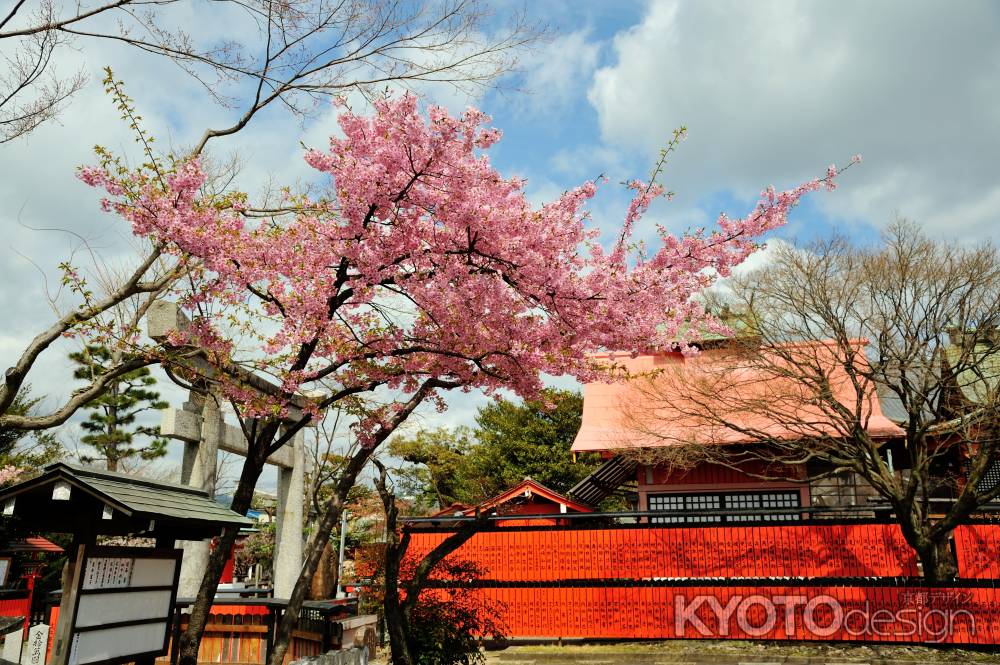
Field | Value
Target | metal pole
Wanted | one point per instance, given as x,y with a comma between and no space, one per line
340,556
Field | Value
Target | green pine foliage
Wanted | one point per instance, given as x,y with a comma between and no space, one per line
27,449
511,441
112,428
531,439
438,472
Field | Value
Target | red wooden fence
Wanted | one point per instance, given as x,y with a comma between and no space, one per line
977,547
808,581
771,612
649,553
17,607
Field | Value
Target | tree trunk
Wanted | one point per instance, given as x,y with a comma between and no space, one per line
938,560
314,552
930,542
111,454
324,582
395,619
397,611
191,639
396,622
331,515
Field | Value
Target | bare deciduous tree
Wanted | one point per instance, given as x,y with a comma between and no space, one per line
30,91
290,51
832,327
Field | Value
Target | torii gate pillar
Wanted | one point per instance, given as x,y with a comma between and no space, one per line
201,427
205,433
288,531
198,469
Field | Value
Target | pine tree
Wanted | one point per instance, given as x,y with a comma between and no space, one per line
23,449
111,427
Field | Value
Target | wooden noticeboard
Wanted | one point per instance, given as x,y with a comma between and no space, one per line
122,605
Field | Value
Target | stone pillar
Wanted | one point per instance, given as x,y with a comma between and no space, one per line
192,442
199,470
288,531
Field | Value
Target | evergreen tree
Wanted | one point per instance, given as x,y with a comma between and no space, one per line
531,439
511,441
439,471
111,428
23,449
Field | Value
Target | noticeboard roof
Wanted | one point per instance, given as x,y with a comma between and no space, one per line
108,503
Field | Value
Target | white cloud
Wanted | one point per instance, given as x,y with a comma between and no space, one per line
774,91
552,74
39,190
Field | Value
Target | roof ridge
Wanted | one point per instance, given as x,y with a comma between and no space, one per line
134,480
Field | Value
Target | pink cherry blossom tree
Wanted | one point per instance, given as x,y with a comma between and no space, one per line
422,270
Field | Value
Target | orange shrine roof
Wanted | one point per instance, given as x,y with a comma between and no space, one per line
757,403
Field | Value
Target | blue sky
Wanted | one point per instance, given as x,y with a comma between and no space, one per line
563,129
771,92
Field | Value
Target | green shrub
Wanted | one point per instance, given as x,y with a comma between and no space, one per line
447,625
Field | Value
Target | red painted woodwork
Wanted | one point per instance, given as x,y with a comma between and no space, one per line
977,548
53,621
719,477
239,609
526,498
227,570
651,553
867,613
230,565
17,607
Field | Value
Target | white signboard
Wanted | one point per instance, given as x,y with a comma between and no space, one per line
38,643
4,567
124,605
117,644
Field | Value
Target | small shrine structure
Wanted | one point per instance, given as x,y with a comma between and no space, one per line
117,603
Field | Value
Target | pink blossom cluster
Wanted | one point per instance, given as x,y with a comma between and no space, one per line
425,262
645,194
9,473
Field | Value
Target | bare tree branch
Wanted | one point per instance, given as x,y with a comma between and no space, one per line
829,331
299,51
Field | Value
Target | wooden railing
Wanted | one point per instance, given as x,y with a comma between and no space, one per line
240,631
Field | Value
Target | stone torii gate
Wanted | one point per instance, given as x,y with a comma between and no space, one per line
199,423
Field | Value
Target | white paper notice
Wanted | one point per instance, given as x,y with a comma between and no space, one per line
108,573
